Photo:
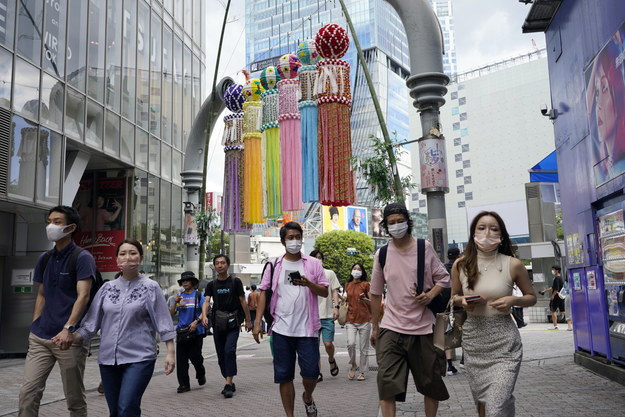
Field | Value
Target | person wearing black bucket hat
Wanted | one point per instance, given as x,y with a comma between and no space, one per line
403,340
190,331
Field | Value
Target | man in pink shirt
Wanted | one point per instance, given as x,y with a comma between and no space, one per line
297,281
403,340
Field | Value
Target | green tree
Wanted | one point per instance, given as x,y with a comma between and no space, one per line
213,244
378,171
334,246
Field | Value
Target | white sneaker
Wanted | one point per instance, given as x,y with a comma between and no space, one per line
552,328
461,365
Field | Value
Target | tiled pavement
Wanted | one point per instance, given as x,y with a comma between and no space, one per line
550,384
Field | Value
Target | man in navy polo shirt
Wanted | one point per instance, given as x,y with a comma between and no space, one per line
62,299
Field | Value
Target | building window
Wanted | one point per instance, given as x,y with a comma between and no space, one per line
466,164
462,101
468,196
458,157
415,196
463,116
455,111
461,204
456,126
457,141
464,132
49,166
465,147
454,95
459,173
460,189
422,203
467,179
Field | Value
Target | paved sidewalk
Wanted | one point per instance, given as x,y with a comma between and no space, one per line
550,384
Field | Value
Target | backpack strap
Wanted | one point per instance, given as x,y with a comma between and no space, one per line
382,256
420,264
73,260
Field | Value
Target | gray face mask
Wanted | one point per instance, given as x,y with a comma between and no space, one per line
398,230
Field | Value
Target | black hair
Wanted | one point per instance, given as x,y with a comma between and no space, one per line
362,268
557,268
333,210
221,255
253,287
132,242
290,226
316,252
71,215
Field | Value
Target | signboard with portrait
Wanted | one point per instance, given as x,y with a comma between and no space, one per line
334,218
357,219
605,104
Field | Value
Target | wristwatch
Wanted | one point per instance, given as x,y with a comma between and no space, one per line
70,329
337,306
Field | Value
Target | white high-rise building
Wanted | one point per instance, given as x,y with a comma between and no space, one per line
494,133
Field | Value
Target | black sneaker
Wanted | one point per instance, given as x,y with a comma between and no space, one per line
183,388
451,370
227,392
234,388
201,380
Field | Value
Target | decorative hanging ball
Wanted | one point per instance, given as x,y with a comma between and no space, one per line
253,89
307,52
288,65
270,77
234,98
332,41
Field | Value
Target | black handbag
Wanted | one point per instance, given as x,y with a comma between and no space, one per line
438,303
225,320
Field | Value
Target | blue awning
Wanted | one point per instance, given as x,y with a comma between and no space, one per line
546,170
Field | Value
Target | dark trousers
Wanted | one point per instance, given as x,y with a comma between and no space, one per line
186,352
124,386
226,348
517,313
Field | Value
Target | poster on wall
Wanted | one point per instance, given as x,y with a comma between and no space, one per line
605,104
101,219
357,219
334,218
577,283
376,218
591,280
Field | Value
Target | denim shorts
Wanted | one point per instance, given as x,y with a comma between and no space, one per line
326,333
286,348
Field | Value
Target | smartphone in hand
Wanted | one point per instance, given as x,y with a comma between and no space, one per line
472,298
294,277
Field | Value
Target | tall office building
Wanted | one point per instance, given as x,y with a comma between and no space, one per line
494,134
96,101
275,27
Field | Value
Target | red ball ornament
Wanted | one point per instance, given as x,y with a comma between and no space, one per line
332,41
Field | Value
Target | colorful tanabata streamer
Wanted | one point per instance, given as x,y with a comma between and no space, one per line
307,53
272,207
332,88
232,211
253,171
290,140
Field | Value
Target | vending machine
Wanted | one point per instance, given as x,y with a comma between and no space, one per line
612,249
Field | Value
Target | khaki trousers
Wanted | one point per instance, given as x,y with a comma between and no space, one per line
41,357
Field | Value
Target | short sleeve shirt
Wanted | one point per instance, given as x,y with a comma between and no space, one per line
326,304
358,312
223,297
59,288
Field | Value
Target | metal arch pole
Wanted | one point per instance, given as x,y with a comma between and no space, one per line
427,85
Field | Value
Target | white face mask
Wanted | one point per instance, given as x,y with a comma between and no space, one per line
55,232
398,230
293,246
486,243
356,274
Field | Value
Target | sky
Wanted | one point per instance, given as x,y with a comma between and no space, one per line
487,31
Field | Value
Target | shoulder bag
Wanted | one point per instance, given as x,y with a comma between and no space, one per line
343,308
268,293
448,327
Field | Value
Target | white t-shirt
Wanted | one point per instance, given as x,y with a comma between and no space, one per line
292,303
326,304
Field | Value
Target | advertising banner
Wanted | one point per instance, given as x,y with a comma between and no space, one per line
433,164
333,218
605,104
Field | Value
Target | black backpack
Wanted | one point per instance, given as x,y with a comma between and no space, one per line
438,303
97,281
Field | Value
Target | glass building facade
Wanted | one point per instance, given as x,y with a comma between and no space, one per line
97,98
